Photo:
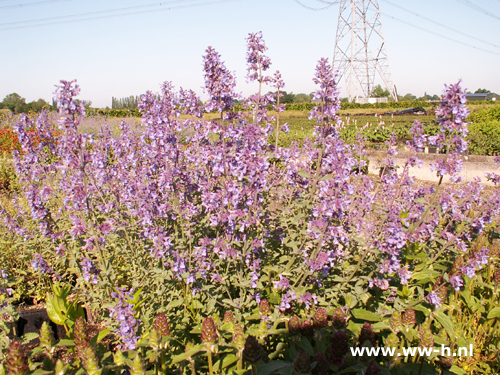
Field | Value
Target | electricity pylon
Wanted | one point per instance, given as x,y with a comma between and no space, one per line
360,51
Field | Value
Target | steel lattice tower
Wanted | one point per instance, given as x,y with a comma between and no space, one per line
360,51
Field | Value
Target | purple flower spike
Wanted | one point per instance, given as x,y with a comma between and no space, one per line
219,83
434,299
124,313
328,96
90,271
40,265
256,59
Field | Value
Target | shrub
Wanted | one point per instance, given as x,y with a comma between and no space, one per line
200,221
484,137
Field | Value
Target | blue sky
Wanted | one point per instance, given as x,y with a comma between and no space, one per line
126,55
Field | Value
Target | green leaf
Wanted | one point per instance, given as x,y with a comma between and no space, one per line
304,174
446,323
42,372
380,326
306,345
422,308
66,342
184,356
457,370
102,334
272,366
53,310
424,274
27,337
175,303
363,314
355,368
227,361
494,313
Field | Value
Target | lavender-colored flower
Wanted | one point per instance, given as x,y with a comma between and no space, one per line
456,281
40,265
328,96
434,299
282,284
383,284
256,59
219,83
124,314
286,299
451,115
90,271
4,274
308,299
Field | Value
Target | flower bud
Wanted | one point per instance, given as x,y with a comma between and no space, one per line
264,307
372,369
339,319
294,325
154,339
306,328
320,318
322,365
161,325
137,366
208,331
60,368
90,362
340,346
238,336
425,335
302,363
253,351
445,362
409,317
16,361
496,276
440,289
228,317
395,322
263,330
366,334
80,337
392,341
46,337
118,358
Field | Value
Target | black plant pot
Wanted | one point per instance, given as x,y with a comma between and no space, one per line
32,320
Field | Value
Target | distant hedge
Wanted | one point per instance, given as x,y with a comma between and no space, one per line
134,112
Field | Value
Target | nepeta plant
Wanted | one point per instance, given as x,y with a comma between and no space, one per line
219,84
199,219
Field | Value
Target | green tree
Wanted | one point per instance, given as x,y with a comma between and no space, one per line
482,91
38,105
302,98
407,98
287,97
15,103
378,92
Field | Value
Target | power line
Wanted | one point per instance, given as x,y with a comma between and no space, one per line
93,13
440,24
30,4
311,8
440,35
115,15
478,8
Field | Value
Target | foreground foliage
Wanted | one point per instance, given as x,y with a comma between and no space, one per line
269,260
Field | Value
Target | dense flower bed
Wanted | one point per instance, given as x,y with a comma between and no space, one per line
206,251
